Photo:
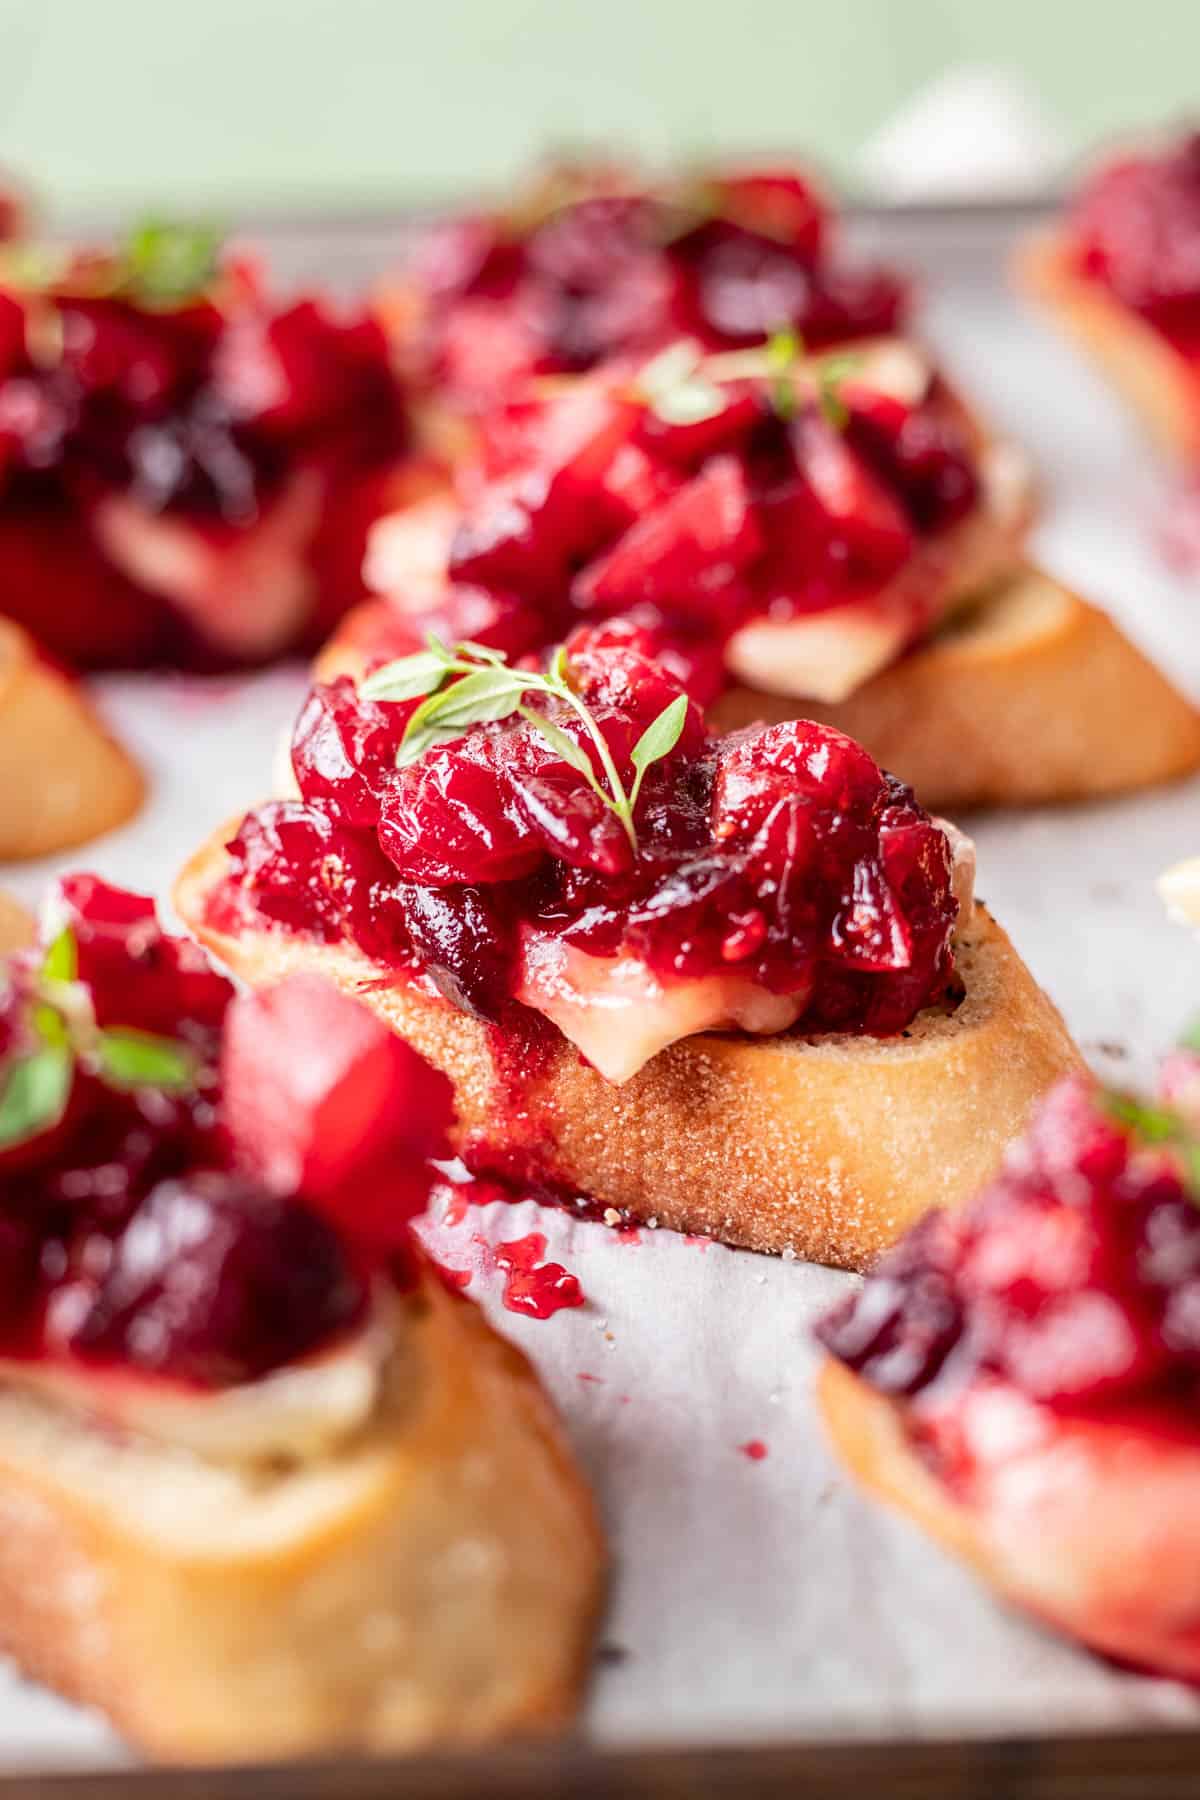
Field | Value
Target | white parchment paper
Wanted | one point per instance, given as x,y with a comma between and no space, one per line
763,1599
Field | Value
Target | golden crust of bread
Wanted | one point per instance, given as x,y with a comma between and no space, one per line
18,927
823,1147
1154,378
1086,1523
436,1581
1032,697
63,779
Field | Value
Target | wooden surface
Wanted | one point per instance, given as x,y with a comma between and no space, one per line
1144,1767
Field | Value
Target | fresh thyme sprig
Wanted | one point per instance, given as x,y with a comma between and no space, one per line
1160,1125
35,1088
471,684
160,264
683,386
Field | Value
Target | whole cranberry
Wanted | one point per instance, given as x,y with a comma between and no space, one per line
449,818
215,1281
762,765
344,748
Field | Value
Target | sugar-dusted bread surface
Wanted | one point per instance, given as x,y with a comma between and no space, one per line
17,926
1031,697
1155,379
63,779
822,1147
435,1581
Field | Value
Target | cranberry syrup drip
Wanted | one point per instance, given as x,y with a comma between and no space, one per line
591,504
597,266
201,410
173,1233
783,855
1074,1276
1136,228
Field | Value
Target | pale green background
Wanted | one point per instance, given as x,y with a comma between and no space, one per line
306,103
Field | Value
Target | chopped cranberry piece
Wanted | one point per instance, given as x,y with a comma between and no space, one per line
216,1281
686,554
687,441
307,872
1075,1274
759,767
833,524
316,1087
1136,227
139,976
773,203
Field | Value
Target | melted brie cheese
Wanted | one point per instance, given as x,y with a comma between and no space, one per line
620,1015
296,1413
247,593
827,656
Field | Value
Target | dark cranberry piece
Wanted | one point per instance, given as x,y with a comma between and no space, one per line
897,1331
926,458
777,204
216,1281
344,748
463,943
747,286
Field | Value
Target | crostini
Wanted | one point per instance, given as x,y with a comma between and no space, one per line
830,535
1121,272
735,985
594,260
1021,1377
267,1487
189,466
63,779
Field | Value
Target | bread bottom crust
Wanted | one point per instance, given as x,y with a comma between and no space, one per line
1154,378
824,1147
436,1581
1032,697
63,779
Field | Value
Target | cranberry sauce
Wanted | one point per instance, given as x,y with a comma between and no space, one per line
1075,1275
194,1185
782,855
592,263
157,375
1135,227
691,495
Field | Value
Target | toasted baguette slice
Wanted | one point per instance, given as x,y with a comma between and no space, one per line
436,1580
63,779
823,1147
1160,384
1034,696
18,928
1089,1524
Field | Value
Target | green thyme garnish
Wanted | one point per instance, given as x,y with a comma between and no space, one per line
1162,1127
683,386
159,265
471,684
37,1085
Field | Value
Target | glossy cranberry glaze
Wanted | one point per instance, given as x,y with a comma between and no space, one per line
213,1230
592,264
201,410
596,504
1075,1275
1136,228
783,854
